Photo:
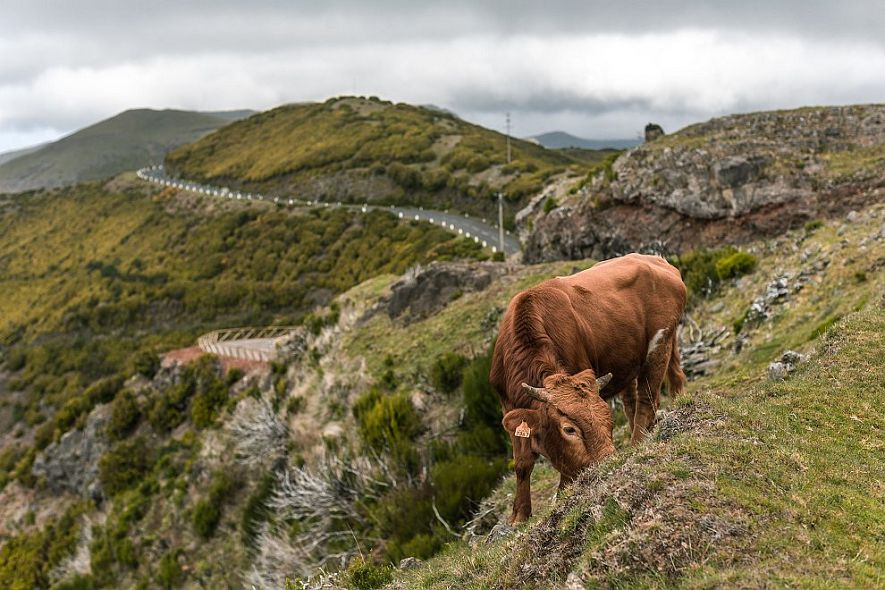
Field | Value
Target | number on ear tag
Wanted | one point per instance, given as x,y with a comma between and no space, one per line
523,430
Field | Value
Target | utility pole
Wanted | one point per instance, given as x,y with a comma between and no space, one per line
501,195
501,222
508,137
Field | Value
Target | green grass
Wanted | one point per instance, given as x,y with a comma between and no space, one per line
794,468
374,150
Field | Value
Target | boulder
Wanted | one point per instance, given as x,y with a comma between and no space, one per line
425,291
653,131
71,464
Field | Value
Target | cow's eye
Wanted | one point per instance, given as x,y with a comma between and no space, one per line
569,430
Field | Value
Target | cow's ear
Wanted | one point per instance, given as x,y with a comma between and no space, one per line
522,422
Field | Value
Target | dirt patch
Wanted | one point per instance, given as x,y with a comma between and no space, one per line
655,519
184,356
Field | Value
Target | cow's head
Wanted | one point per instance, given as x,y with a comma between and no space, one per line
573,425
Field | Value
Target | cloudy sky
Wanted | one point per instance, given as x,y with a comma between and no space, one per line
599,69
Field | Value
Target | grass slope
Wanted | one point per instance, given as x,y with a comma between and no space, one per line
358,149
124,142
748,481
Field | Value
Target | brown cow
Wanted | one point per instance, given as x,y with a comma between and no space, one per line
617,320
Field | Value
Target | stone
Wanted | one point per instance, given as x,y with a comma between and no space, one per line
852,217
653,131
425,291
729,180
574,582
777,371
409,563
498,532
71,464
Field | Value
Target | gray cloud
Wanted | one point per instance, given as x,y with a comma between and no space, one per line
596,68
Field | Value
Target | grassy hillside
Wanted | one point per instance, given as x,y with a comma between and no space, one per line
124,142
358,149
748,481
380,438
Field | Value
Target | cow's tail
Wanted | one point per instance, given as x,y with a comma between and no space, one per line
675,375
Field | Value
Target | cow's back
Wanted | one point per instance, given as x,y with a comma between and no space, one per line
602,318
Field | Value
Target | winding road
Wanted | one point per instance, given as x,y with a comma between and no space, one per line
478,230
259,344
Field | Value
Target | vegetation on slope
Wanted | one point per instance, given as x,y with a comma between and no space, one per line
95,279
357,149
127,141
748,481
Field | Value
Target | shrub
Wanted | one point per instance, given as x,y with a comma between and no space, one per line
703,270
364,575
207,404
550,204
255,512
124,465
205,518
207,512
735,265
389,423
168,571
145,363
813,224
445,374
26,560
125,415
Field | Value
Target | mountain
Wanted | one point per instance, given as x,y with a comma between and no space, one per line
126,141
7,156
731,179
356,149
128,459
561,139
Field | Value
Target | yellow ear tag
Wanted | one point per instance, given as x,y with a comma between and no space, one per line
523,430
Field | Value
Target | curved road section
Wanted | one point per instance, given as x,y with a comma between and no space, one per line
478,230
259,344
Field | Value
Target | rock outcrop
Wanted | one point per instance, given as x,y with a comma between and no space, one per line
424,291
730,179
71,464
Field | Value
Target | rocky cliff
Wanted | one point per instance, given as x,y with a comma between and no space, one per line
730,179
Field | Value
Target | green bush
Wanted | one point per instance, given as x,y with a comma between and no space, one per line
205,518
145,363
813,225
169,572
445,374
26,560
124,465
364,575
703,270
550,204
125,415
389,423
207,512
255,512
735,265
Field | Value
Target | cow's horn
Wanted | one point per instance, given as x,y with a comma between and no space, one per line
536,392
603,381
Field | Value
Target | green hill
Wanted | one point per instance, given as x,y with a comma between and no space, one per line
365,149
124,142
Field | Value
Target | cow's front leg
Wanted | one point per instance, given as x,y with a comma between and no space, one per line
651,376
523,462
628,399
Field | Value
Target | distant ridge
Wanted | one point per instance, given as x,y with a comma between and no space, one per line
124,142
561,139
8,156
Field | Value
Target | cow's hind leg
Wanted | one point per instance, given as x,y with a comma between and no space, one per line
651,376
628,399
